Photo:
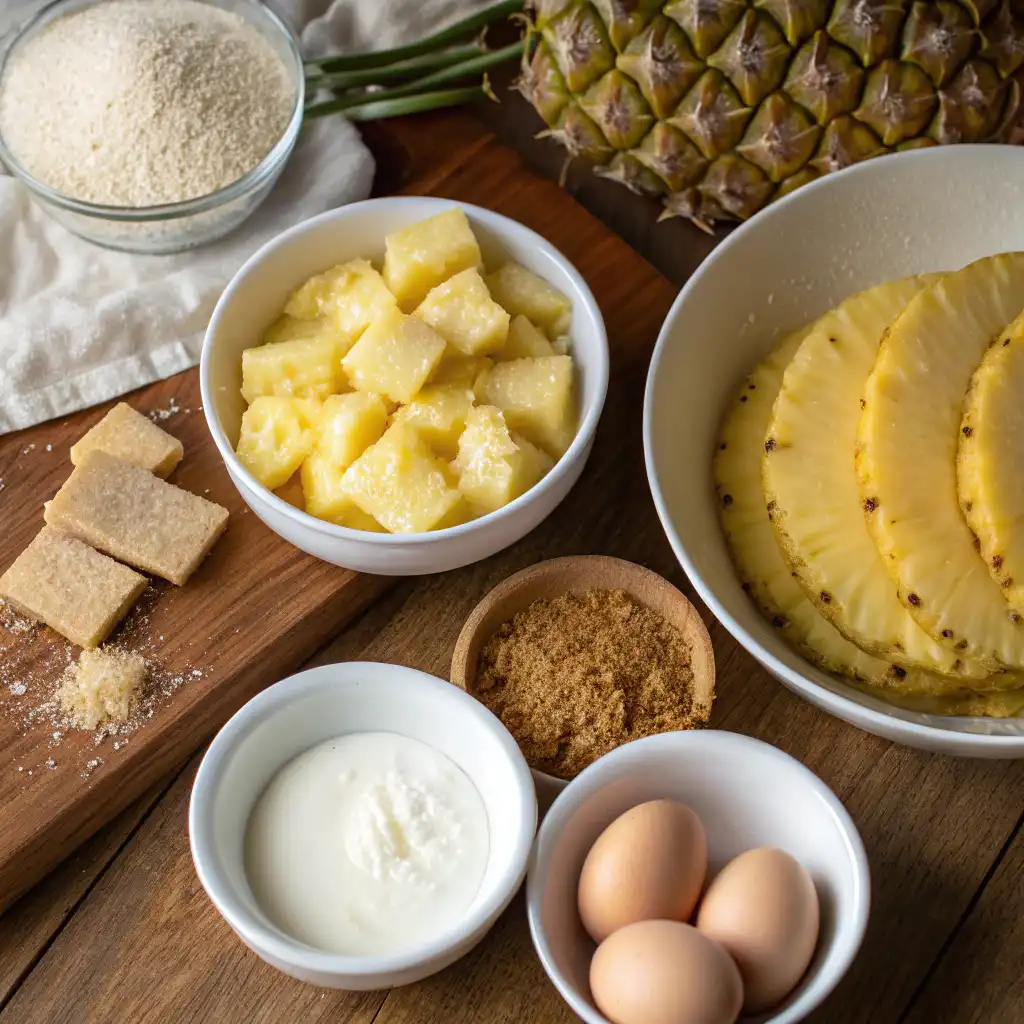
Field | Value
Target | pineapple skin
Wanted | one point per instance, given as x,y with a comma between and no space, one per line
720,106
990,461
906,459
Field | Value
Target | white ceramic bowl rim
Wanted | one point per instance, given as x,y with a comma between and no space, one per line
500,224
866,715
563,807
249,181
264,706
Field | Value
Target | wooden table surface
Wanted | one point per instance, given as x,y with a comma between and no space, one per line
123,932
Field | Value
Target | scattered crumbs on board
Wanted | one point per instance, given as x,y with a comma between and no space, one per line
30,673
171,409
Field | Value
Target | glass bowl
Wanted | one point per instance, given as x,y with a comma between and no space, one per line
170,227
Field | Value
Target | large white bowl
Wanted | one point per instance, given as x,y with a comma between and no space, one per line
926,210
257,294
747,794
333,700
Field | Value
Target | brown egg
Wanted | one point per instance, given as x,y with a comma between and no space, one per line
763,908
648,863
664,972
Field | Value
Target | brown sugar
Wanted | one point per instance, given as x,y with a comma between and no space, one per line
574,677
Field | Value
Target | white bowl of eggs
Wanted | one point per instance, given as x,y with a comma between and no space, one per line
697,876
405,385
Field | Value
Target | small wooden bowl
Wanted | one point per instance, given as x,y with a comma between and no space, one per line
548,580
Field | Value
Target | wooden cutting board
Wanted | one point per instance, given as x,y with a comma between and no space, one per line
257,608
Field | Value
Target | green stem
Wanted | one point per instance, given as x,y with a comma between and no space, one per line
316,79
429,82
453,33
378,109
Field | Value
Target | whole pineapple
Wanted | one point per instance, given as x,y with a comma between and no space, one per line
720,106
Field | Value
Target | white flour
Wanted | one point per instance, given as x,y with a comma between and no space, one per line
141,102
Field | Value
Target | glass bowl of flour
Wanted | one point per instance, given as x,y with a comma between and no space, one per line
150,126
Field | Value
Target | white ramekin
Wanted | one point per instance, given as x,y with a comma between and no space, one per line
257,294
747,794
309,708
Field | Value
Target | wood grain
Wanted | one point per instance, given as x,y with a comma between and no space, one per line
933,826
254,609
978,978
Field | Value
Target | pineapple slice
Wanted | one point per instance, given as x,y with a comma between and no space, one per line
763,572
536,397
462,311
303,368
810,484
461,370
525,341
277,435
495,466
402,484
906,457
419,257
439,413
990,461
288,328
350,296
394,357
520,291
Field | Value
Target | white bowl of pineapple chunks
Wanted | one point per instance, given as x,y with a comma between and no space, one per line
405,385
833,432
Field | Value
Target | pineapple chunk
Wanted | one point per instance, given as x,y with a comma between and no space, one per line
401,483
287,328
522,292
439,413
394,357
276,437
525,341
495,466
462,311
349,424
351,296
536,396
422,255
303,368
461,370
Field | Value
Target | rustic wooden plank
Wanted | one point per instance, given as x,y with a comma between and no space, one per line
29,926
979,978
215,634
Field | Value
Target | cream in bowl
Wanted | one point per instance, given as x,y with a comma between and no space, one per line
405,385
368,843
362,825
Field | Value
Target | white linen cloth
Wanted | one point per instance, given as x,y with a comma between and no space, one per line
80,324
